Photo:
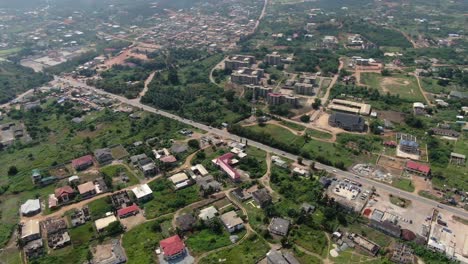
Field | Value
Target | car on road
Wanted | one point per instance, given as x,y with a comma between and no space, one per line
334,170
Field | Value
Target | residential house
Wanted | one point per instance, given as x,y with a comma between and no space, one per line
199,170
56,231
31,207
241,194
34,249
143,193
87,189
279,226
186,222
364,244
128,211
208,183
409,146
172,248
30,230
457,159
80,216
325,182
417,168
402,254
347,122
82,163
180,180
307,208
36,176
64,194
103,156
121,199
102,223
262,197
232,221
278,257
445,132
208,213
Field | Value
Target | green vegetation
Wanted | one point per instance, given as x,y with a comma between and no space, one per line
207,240
251,250
82,235
125,80
282,138
311,239
15,79
167,200
404,86
11,256
188,92
360,227
349,256
379,35
306,258
70,254
98,208
140,242
402,202
403,184
114,171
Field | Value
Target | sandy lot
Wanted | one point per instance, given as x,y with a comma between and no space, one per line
132,221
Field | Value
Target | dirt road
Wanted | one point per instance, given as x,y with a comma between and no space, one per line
332,83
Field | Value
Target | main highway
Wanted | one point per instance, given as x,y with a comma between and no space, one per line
224,134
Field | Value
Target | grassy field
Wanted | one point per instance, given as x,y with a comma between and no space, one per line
313,148
250,250
293,125
350,256
69,254
98,208
281,134
8,52
403,184
11,256
374,235
305,258
405,86
318,134
311,239
114,171
166,200
207,240
140,242
81,235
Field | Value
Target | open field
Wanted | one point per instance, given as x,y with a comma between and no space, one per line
311,239
207,240
251,250
403,184
140,242
7,52
398,84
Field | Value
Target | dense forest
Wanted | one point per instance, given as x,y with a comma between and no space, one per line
15,79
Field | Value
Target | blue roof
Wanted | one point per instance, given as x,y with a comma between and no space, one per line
409,143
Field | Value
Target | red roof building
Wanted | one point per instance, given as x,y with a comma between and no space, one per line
64,194
172,247
168,159
417,168
83,162
225,162
128,211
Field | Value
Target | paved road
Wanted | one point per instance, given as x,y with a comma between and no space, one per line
223,133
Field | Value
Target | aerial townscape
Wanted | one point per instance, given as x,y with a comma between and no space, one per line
233,131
